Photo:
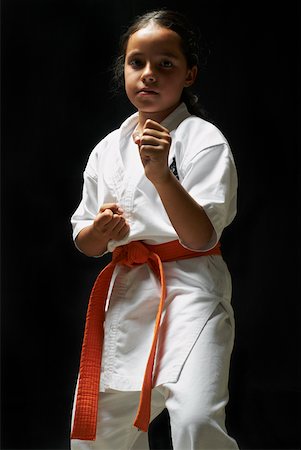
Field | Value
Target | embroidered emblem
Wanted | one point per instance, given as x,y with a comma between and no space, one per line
173,168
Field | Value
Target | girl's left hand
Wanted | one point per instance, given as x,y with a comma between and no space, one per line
154,145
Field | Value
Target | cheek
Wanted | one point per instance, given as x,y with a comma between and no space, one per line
174,85
126,82
130,87
129,78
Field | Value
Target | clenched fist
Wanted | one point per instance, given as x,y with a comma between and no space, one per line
154,144
110,223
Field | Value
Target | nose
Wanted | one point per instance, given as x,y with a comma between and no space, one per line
148,74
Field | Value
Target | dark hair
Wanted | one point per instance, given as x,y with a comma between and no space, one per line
192,50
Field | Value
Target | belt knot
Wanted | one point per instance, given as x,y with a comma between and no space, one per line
132,254
135,253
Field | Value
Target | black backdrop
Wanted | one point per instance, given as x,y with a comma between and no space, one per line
56,106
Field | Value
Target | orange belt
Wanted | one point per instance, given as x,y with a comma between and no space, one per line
133,254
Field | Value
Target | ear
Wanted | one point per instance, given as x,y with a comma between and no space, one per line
191,76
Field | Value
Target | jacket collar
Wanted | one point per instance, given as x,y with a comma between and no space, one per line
170,122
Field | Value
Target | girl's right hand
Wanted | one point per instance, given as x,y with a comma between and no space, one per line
110,222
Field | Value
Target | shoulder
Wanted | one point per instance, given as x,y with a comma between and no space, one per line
198,138
105,141
197,131
99,152
114,136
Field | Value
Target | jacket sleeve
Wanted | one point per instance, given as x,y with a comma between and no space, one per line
207,171
88,208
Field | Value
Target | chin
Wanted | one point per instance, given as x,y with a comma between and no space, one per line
152,107
146,108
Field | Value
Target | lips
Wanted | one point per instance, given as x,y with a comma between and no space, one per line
146,91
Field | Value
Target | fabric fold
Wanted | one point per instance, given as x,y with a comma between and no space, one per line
132,254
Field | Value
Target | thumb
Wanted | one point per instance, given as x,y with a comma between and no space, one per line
114,207
136,137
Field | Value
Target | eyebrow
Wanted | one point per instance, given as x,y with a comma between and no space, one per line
167,54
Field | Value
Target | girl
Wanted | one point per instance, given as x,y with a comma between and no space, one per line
158,193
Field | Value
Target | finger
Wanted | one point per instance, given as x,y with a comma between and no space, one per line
116,219
153,150
150,140
104,217
119,225
124,230
152,132
152,124
136,137
114,207
106,227
155,135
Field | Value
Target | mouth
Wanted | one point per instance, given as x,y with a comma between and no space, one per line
147,92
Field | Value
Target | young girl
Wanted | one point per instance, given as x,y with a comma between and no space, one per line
158,193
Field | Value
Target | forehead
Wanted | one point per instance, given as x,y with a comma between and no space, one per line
154,38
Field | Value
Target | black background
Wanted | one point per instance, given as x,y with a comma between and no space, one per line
56,106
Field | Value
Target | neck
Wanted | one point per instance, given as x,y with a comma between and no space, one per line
156,116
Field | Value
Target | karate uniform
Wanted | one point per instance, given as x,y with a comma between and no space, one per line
197,327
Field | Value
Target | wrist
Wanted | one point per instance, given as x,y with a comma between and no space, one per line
164,180
90,242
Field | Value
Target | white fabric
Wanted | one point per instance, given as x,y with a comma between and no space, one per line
206,170
196,403
194,286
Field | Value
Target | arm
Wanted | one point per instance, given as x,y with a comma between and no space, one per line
186,215
108,224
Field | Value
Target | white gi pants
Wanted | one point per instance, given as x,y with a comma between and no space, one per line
196,402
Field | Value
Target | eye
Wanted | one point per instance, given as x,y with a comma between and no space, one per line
166,64
135,63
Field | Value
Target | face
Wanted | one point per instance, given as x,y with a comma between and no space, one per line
156,70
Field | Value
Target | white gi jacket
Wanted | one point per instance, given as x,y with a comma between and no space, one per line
195,286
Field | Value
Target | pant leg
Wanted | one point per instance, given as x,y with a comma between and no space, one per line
115,431
196,402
